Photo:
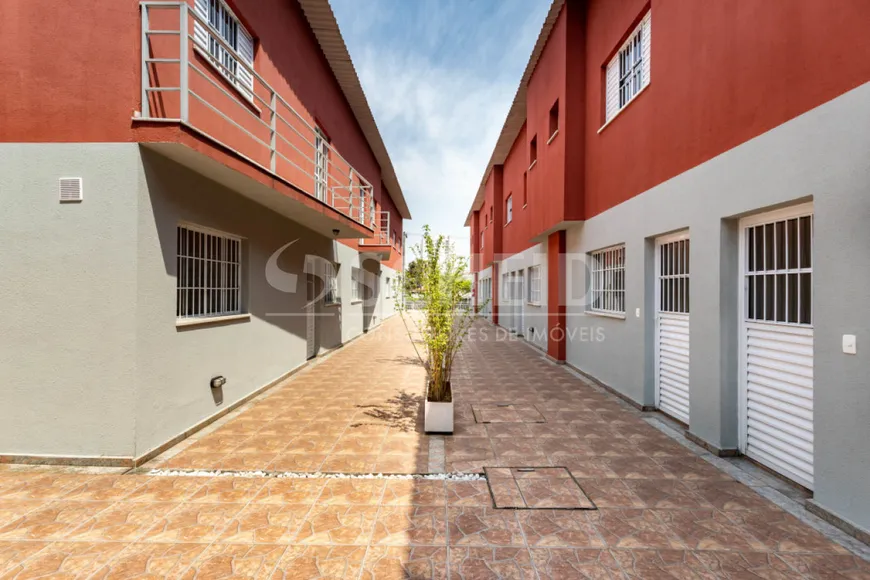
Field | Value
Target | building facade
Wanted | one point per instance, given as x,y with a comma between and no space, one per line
676,207
192,190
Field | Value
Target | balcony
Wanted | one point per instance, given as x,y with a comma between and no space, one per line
379,243
235,128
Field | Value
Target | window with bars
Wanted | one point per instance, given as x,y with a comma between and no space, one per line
534,285
629,70
321,164
505,287
674,277
330,283
208,275
509,209
779,271
389,293
224,24
607,270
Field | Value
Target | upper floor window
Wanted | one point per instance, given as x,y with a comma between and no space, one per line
209,273
509,209
629,71
608,280
223,24
525,188
554,120
481,240
533,151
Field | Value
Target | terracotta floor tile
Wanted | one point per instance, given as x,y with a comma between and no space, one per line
349,464
66,560
782,532
589,467
151,561
521,448
610,493
236,561
312,443
193,522
321,562
415,492
358,445
262,443
818,566
708,529
121,522
44,487
215,443
171,489
411,526
297,462
13,554
186,460
568,564
490,563
553,492
338,524
728,495
107,488
483,526
292,491
747,565
638,468
247,461
691,468
559,528
352,492
13,509
402,464
506,493
469,493
636,529
466,448
666,494
265,524
54,521
643,564
400,563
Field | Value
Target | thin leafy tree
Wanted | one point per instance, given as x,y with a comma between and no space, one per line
441,323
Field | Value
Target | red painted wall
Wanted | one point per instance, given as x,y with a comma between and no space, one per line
721,74
517,234
86,88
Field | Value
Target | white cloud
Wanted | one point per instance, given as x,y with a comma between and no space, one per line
440,117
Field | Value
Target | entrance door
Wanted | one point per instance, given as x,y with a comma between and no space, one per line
777,341
672,325
311,316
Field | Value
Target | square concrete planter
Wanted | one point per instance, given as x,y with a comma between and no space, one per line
438,417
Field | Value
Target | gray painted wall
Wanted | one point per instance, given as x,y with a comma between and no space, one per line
824,155
93,361
68,289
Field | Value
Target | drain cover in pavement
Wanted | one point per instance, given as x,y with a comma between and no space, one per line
507,414
536,488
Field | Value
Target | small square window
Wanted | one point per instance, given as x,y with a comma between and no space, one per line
554,120
533,151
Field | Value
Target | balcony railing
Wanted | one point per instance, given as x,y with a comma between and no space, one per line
381,236
222,98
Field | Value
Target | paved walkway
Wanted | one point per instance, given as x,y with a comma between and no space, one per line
663,508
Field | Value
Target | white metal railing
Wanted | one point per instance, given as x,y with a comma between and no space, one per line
257,124
381,236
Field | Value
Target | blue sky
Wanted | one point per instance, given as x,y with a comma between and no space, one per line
440,76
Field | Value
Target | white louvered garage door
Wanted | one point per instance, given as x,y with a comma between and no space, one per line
672,326
777,389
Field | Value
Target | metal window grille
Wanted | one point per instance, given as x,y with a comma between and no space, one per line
674,277
505,287
389,292
631,68
209,269
779,271
356,286
608,280
535,284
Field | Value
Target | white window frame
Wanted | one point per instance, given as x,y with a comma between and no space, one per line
222,22
607,280
482,237
510,209
356,292
332,293
210,266
628,72
389,292
321,164
534,287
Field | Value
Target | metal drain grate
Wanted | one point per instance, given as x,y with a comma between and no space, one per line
536,488
507,413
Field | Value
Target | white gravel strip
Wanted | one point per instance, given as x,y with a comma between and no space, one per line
302,475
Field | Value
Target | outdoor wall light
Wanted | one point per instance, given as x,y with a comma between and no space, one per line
218,381
335,232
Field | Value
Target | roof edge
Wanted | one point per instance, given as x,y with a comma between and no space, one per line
322,21
516,116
